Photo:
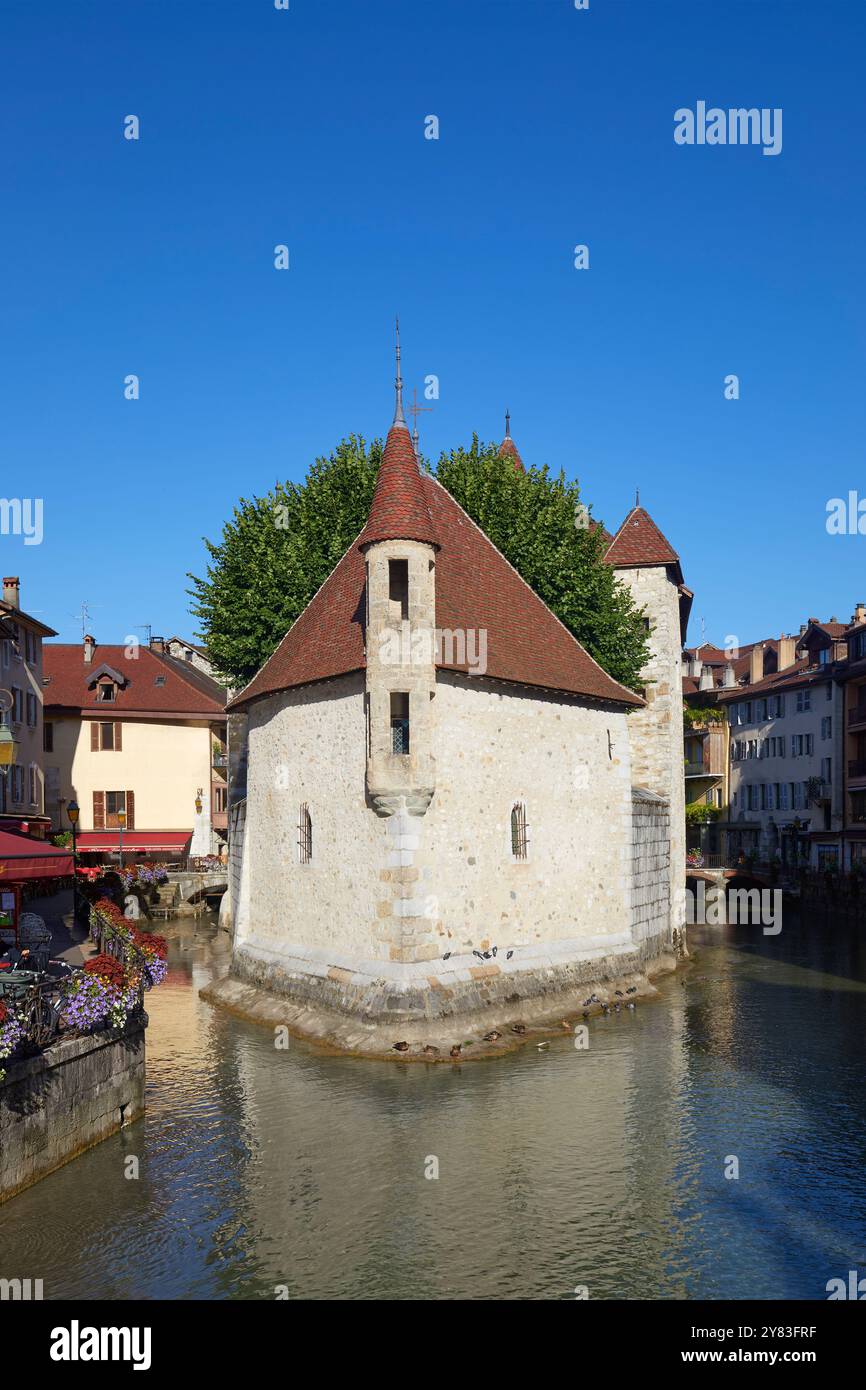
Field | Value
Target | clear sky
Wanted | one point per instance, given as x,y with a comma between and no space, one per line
306,127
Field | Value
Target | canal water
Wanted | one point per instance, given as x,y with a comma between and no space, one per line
262,1170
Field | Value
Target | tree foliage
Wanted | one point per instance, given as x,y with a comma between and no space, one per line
277,550
541,526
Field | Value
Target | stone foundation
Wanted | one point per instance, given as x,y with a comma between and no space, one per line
365,1007
65,1100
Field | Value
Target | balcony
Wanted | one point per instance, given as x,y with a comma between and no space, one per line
219,760
856,769
701,770
857,717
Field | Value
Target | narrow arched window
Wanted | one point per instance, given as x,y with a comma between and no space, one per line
305,835
519,840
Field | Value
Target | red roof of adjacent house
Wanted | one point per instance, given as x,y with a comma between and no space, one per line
639,542
399,508
476,590
66,677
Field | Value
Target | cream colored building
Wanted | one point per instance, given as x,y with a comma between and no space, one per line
132,730
21,638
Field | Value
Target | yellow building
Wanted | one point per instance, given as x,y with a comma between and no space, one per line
137,738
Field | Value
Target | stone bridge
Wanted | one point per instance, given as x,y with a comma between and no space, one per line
192,887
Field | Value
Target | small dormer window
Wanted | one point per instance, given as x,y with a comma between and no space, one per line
106,692
159,680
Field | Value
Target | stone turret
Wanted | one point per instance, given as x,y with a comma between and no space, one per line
399,546
648,564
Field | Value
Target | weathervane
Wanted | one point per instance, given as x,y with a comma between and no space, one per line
415,410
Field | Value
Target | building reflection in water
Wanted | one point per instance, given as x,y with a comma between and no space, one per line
262,1168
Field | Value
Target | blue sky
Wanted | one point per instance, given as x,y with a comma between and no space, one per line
306,127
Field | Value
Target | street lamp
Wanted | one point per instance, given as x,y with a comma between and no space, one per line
121,821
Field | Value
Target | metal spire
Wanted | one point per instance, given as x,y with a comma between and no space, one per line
399,418
507,424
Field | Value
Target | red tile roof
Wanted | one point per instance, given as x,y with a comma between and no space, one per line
508,449
67,677
476,590
639,542
399,509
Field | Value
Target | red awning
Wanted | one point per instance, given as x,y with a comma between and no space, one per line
147,841
22,857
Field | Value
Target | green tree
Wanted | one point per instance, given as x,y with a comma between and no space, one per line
541,526
277,550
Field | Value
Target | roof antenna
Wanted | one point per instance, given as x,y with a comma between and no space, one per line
399,418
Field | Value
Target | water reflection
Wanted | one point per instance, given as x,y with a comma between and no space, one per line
261,1167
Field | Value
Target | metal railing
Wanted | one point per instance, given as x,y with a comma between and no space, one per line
38,1004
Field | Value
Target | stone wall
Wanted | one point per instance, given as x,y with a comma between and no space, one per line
365,927
74,1094
650,860
229,900
656,732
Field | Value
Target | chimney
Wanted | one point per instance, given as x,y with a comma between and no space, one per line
89,644
157,644
697,667
787,655
729,679
756,663
706,678
11,587
859,613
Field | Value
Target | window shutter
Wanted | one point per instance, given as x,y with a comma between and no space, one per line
118,737
130,809
94,737
99,810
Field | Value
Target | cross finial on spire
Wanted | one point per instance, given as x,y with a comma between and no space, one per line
415,410
637,496
399,418
507,424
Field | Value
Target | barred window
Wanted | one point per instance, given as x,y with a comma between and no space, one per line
305,834
519,840
399,722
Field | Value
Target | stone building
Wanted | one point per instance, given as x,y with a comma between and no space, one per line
22,785
452,812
